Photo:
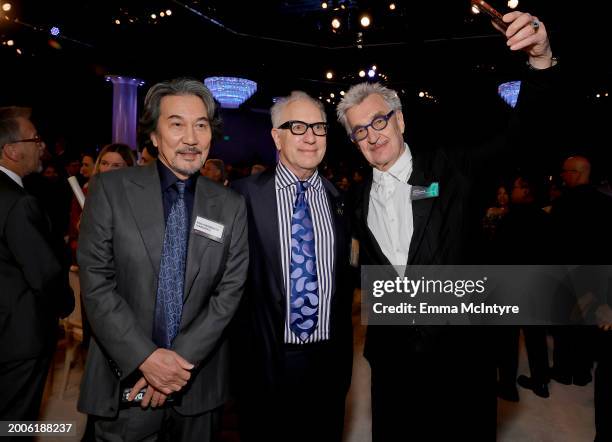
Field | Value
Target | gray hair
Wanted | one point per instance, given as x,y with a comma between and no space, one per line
277,109
359,92
9,126
178,86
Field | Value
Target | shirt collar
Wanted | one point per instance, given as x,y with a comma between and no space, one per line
167,178
12,175
400,170
286,178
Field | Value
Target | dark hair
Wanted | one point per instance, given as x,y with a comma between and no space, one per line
179,86
9,126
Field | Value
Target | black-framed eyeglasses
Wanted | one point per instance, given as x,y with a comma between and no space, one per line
37,139
378,123
300,128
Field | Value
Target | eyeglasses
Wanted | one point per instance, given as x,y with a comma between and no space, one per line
300,128
379,123
37,139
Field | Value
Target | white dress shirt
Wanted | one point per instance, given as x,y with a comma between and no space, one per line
390,209
12,175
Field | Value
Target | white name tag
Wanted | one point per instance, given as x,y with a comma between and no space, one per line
208,228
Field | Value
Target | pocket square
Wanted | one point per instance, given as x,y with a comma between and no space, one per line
423,192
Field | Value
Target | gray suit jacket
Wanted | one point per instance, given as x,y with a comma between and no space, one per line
119,254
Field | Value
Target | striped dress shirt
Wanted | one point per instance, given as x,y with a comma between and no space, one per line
316,196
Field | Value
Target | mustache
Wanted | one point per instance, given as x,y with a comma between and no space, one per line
189,150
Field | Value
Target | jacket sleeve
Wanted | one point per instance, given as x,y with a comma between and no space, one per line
29,240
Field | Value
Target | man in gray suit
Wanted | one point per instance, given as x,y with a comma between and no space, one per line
163,255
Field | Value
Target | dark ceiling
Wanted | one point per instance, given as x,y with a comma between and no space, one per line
437,46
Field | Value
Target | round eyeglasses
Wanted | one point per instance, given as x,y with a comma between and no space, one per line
300,128
360,133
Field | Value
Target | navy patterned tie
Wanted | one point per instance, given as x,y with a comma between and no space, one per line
304,300
169,302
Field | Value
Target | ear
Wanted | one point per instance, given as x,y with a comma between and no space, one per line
276,137
400,120
10,152
154,138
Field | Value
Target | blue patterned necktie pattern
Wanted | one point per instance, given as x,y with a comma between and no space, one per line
304,302
171,283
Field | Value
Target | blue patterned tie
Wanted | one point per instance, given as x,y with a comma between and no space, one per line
169,302
303,269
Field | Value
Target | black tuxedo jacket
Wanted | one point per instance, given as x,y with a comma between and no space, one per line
34,288
259,328
442,226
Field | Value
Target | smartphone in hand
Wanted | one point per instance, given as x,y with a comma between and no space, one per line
495,15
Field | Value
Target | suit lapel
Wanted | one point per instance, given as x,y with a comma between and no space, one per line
265,215
337,207
421,209
207,205
143,191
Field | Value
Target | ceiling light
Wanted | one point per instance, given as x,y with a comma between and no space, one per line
392,6
371,73
329,75
231,92
168,12
475,9
6,7
512,4
335,23
362,74
55,31
324,5
153,16
365,21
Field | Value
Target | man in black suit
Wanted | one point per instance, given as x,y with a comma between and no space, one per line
163,255
294,353
33,273
423,377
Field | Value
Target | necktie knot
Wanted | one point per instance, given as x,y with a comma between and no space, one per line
180,186
302,186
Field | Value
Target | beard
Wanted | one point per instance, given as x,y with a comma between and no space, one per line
183,169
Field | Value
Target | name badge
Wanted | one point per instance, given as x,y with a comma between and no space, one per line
421,192
209,229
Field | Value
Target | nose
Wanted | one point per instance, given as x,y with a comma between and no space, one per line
309,136
189,137
372,135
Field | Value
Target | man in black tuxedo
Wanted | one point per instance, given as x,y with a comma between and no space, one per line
294,353
33,273
163,257
428,382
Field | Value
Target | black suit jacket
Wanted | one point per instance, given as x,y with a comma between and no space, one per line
119,254
442,226
259,327
34,289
